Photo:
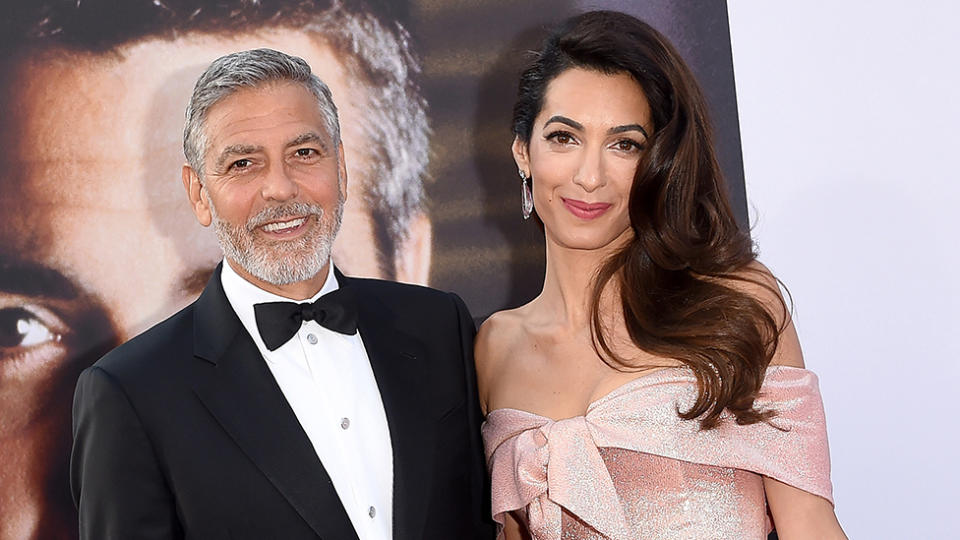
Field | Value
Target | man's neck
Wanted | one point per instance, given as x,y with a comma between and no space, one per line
300,290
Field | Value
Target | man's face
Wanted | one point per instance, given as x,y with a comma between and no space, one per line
273,183
97,240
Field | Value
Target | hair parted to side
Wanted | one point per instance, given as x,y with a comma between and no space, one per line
675,275
249,69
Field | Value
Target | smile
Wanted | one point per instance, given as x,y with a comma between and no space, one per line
284,226
585,210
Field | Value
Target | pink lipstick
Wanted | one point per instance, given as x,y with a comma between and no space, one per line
585,210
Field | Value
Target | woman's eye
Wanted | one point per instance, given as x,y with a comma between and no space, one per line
627,145
21,328
561,137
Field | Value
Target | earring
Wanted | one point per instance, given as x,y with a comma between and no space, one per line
526,194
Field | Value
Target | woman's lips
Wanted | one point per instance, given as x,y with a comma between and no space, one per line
585,210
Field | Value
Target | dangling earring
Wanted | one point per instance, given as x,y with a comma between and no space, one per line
526,195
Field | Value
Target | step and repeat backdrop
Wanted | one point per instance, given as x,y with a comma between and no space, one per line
849,116
97,241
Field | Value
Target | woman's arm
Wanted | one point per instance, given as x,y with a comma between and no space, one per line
513,530
798,514
482,354
492,342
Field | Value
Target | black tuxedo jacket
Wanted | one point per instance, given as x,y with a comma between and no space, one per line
183,432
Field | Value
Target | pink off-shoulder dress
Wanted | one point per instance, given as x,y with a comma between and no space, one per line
631,468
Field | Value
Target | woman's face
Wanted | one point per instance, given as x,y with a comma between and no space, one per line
582,155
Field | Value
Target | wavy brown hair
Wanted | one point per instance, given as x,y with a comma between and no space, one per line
678,276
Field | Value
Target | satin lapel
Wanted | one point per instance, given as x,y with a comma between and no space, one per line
246,401
398,365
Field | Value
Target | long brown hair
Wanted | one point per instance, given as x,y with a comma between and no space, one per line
675,276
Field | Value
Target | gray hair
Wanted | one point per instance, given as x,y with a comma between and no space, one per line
381,70
248,69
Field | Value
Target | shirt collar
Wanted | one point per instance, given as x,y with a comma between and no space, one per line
242,296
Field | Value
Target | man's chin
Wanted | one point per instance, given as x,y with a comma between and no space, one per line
286,270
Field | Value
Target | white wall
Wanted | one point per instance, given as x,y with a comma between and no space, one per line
850,119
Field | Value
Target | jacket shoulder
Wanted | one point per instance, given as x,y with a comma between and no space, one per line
141,355
392,291
414,306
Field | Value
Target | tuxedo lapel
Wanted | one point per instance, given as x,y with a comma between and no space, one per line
241,393
397,362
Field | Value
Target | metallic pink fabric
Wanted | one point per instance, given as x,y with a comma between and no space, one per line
631,468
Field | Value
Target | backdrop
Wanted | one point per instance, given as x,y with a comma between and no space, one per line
97,242
849,115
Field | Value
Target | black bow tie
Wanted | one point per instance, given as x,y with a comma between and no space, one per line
280,321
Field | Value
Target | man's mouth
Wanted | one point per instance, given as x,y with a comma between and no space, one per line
284,226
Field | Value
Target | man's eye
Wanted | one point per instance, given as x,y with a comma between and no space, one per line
306,152
21,328
240,164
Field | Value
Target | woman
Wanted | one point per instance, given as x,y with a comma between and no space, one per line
655,388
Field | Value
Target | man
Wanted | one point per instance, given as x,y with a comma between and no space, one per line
95,243
351,414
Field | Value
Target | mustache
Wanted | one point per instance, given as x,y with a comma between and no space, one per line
283,212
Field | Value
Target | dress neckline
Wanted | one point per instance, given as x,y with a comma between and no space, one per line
615,392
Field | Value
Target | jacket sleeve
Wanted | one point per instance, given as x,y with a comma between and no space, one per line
480,480
117,483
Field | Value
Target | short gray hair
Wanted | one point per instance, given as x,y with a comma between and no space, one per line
248,69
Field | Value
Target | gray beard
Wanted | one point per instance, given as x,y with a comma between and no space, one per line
280,263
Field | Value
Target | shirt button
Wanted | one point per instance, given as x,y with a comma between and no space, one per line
344,424
312,339
372,512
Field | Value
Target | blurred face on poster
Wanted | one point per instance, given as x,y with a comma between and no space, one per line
98,241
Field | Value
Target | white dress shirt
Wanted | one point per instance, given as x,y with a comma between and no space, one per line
327,380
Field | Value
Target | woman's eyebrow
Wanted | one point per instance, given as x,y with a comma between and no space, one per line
628,127
614,130
564,120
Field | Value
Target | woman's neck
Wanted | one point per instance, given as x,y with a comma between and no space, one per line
568,284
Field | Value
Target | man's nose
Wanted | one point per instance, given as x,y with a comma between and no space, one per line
278,184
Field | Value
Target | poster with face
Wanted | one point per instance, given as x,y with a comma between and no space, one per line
98,241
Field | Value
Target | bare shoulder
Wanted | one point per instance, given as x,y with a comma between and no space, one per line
757,281
500,329
498,335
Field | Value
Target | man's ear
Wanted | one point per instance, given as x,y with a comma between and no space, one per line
342,170
197,195
412,263
521,155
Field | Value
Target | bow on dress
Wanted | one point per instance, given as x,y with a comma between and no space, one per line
550,467
559,458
